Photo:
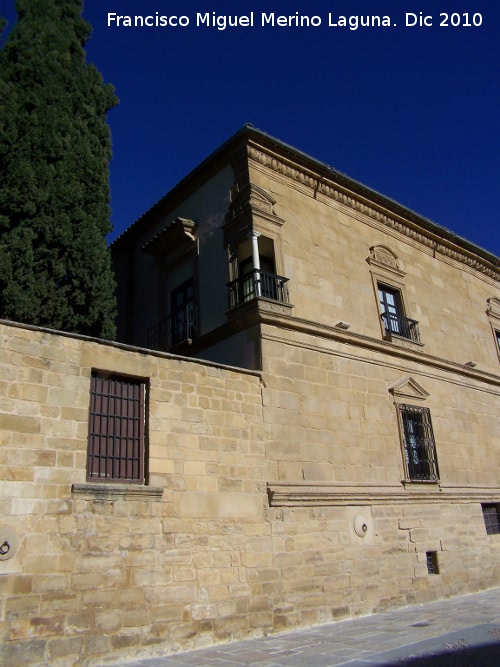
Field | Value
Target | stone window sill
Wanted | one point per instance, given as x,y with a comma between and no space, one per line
117,492
401,341
420,483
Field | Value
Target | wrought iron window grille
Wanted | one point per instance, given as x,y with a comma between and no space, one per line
419,444
432,562
491,518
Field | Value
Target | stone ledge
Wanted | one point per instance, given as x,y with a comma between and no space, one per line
128,348
416,354
117,492
404,342
259,307
317,494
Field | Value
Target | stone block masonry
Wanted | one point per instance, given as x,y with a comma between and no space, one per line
251,519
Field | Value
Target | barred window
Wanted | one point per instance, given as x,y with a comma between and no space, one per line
116,429
419,445
432,562
491,519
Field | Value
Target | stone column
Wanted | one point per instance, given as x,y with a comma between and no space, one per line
256,262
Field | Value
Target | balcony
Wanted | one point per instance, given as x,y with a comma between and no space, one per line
397,325
181,327
258,283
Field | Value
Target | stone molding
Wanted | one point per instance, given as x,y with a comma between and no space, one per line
251,209
383,264
316,494
493,308
359,204
288,322
173,243
255,199
384,256
117,492
403,342
258,309
392,271
408,388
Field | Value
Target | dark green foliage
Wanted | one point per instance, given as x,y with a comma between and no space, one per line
55,147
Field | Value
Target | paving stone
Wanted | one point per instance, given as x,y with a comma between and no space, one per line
461,632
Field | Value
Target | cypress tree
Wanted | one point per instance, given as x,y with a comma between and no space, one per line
55,147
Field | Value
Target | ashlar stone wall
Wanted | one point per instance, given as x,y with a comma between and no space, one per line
330,413
338,247
104,571
335,461
271,500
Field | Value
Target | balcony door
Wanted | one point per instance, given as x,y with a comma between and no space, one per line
391,307
183,312
265,277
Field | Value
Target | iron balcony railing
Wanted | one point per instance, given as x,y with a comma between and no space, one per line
258,283
398,325
180,327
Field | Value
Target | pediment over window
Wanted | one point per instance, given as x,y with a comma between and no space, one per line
384,258
252,199
173,242
408,388
493,307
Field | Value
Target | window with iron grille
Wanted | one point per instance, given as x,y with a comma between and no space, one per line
432,562
419,445
116,429
491,519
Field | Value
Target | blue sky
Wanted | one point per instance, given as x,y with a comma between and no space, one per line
412,112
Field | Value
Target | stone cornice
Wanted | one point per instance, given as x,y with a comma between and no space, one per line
317,494
321,184
173,243
392,348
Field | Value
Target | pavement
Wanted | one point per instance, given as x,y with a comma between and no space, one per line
459,632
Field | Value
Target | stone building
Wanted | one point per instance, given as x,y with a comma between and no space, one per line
299,423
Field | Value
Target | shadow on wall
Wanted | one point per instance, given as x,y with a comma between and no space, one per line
450,651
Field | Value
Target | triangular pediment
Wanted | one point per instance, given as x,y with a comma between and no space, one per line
408,388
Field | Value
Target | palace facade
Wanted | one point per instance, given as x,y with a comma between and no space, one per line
298,424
